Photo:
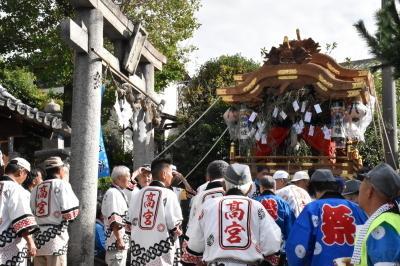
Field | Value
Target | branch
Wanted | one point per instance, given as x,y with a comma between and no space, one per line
372,42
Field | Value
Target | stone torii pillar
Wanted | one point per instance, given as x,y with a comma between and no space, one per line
86,105
95,19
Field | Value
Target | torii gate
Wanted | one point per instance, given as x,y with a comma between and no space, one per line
133,55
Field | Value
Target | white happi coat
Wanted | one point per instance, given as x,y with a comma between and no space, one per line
297,197
154,217
199,199
234,230
114,209
15,216
54,205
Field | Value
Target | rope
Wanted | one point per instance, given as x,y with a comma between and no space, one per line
205,156
386,135
123,77
181,135
374,122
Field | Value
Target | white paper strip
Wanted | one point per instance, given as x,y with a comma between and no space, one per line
301,124
296,106
311,131
258,135
264,139
317,108
327,134
307,117
252,116
283,115
275,112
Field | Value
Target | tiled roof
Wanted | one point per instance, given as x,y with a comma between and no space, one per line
44,119
361,64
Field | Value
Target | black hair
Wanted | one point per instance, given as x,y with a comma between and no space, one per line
261,168
98,210
158,165
362,172
52,172
12,168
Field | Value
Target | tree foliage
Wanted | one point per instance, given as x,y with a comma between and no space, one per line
29,35
168,22
385,43
29,38
21,83
197,96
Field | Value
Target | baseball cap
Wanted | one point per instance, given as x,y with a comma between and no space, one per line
21,162
300,175
52,162
280,174
322,175
351,187
385,180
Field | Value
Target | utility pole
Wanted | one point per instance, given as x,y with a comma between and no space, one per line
389,114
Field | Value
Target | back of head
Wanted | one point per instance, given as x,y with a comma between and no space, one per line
323,180
17,164
119,170
158,165
52,166
385,179
267,182
238,176
217,169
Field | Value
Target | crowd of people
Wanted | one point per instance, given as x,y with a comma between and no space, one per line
235,219
36,208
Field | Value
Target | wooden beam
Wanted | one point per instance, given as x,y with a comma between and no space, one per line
134,51
120,27
75,36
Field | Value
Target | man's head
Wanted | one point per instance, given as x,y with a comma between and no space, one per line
18,169
120,176
380,185
267,182
261,171
161,170
34,178
54,167
301,179
217,169
351,190
281,178
238,176
322,181
144,177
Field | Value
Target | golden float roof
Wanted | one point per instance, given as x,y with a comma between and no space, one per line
293,65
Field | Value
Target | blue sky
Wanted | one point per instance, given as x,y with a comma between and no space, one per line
246,26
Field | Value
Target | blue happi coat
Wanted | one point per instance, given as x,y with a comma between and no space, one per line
279,210
324,231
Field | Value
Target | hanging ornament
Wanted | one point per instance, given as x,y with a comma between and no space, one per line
244,131
356,111
337,117
231,118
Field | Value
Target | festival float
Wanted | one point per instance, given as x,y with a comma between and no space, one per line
299,95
